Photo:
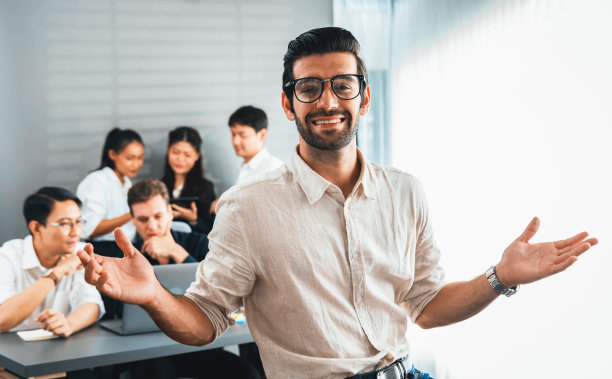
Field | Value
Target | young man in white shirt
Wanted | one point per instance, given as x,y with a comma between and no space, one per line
249,127
41,278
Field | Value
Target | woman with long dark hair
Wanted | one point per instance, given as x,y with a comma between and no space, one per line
184,177
104,191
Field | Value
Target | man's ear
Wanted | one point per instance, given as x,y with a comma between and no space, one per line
287,107
261,135
365,107
34,227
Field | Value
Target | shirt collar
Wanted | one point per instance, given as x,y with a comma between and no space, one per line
314,185
30,259
366,178
257,159
110,173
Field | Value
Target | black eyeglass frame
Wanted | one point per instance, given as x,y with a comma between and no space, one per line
361,78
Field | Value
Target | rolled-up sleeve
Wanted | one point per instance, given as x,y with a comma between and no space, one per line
227,274
7,277
428,273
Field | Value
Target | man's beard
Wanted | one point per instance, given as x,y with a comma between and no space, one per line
337,142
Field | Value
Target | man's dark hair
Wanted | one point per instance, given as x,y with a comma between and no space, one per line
320,41
249,115
147,189
38,205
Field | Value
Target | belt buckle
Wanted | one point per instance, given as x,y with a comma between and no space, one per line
391,372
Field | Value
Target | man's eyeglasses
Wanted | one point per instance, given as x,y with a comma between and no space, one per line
309,90
67,226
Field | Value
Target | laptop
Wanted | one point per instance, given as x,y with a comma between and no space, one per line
176,278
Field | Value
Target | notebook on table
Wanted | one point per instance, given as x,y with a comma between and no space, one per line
176,278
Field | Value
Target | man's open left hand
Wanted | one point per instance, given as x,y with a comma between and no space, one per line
523,262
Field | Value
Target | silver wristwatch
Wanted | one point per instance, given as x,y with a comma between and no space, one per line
497,285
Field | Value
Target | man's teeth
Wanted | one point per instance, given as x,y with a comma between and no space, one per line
321,122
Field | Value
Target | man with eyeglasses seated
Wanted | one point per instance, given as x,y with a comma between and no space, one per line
41,278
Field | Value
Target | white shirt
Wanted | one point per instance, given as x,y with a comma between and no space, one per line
20,268
104,197
262,163
329,284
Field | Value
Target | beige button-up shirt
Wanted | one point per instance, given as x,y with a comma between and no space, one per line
328,283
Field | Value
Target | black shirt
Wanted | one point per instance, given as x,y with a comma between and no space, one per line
196,244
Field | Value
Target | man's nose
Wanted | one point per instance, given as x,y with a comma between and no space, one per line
328,99
74,230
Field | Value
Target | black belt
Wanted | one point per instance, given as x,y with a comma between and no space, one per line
400,369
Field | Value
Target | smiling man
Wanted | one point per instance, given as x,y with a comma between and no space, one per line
332,255
41,278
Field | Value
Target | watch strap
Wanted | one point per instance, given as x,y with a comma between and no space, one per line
497,285
51,275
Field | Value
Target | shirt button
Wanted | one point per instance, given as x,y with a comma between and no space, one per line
355,255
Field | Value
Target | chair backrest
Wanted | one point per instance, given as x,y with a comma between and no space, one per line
180,226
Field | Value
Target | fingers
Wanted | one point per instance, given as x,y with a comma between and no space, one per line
571,241
85,255
105,285
145,246
50,318
194,208
530,231
54,323
57,323
91,263
575,251
563,264
43,315
124,243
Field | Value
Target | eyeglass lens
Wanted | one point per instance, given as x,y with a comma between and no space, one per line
68,225
345,87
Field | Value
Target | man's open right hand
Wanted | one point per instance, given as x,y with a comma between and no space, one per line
129,279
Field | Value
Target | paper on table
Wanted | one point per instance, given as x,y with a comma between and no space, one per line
36,335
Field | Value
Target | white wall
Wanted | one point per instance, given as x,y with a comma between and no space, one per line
78,68
505,119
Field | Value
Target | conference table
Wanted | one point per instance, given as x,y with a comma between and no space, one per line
96,346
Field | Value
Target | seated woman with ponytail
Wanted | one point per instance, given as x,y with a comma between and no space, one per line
104,191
